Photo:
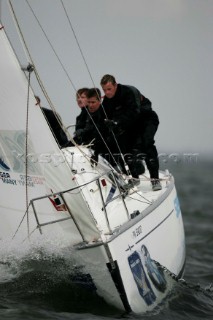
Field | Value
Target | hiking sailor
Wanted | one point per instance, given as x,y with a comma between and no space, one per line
129,114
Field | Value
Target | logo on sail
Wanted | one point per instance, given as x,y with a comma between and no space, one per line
3,165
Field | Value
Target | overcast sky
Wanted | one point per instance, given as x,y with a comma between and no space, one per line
163,47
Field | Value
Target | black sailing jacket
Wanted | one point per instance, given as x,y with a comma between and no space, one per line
134,115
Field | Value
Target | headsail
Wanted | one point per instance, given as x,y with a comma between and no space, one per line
47,169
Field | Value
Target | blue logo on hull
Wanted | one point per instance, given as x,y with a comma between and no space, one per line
156,275
141,279
177,207
146,272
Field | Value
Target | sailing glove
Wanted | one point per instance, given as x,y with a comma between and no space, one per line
78,136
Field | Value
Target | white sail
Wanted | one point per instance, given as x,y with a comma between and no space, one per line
47,170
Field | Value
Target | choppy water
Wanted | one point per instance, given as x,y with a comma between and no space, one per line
36,284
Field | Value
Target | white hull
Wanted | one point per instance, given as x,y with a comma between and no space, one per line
128,277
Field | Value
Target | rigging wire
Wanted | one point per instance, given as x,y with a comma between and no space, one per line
26,149
57,56
45,93
78,44
81,51
29,69
28,55
42,87
26,212
101,136
87,67
147,201
19,32
88,70
27,52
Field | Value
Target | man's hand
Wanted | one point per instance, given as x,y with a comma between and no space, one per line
111,124
94,160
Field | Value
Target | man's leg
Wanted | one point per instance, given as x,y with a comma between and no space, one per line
152,163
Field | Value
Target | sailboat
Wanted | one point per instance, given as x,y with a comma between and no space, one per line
118,236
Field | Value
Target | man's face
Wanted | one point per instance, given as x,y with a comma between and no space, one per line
81,100
93,104
109,89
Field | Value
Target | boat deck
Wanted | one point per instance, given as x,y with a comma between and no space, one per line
111,203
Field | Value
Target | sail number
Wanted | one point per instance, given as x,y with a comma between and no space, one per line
137,231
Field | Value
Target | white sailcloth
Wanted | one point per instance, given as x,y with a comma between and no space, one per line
47,170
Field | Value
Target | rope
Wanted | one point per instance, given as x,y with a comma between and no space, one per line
26,212
30,234
26,151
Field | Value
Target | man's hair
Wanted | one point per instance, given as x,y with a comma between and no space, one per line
94,92
108,78
81,91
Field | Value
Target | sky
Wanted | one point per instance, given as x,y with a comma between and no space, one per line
162,47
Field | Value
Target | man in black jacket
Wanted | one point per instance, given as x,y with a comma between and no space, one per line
134,123
81,98
92,130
